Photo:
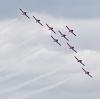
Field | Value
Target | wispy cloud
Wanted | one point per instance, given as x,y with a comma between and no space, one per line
27,49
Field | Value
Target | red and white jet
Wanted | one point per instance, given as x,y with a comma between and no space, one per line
71,47
24,13
50,28
55,40
78,60
37,21
86,72
63,35
71,30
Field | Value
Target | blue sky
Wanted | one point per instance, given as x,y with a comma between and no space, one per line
33,66
67,8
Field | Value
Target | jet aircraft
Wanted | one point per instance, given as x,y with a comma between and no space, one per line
24,13
78,60
71,47
37,21
86,72
55,40
50,28
71,30
63,35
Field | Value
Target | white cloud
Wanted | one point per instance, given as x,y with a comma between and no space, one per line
27,49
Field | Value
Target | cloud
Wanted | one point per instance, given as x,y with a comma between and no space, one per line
32,63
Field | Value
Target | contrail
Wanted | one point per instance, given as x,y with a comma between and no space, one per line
16,64
20,45
5,29
30,81
8,25
6,77
25,42
41,90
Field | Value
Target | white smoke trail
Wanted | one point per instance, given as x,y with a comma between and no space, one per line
20,45
31,81
4,29
26,56
7,25
19,60
41,90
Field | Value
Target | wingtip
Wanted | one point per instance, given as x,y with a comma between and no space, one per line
59,31
75,35
83,68
83,65
20,9
51,35
66,26
67,39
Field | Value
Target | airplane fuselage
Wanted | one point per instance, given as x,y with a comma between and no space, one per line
50,28
63,36
55,40
72,47
79,61
87,73
38,21
71,31
24,13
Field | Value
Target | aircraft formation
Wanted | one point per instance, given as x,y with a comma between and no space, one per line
57,41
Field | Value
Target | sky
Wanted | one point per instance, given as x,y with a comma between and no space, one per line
33,66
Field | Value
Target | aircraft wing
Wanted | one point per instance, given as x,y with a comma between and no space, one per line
21,10
60,32
67,27
59,43
53,31
40,23
76,58
73,33
74,50
27,16
90,76
34,17
47,25
52,37
82,64
66,38
68,44
84,70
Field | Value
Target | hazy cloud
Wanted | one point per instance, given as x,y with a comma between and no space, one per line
32,65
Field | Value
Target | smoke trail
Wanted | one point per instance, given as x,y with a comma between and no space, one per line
6,77
19,60
16,64
44,89
20,45
31,81
8,24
